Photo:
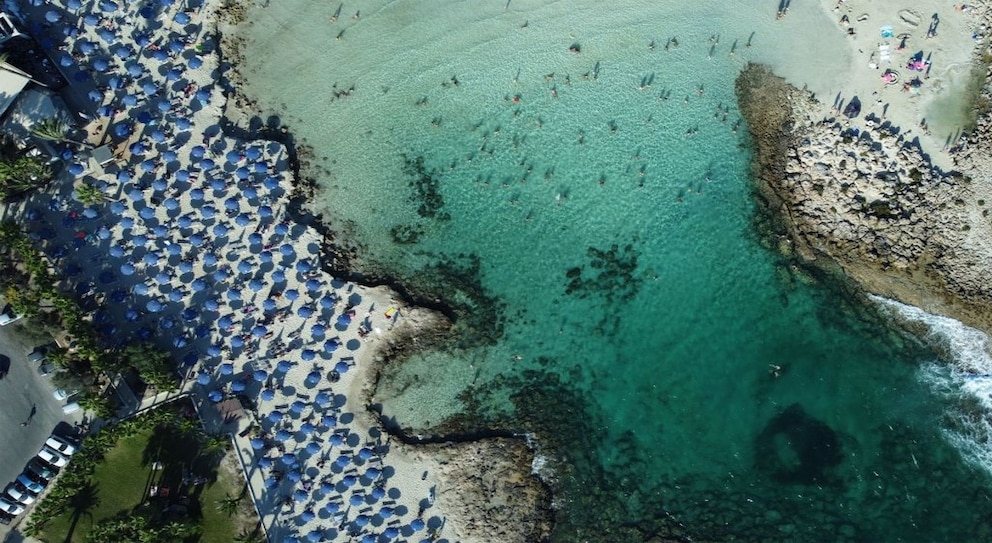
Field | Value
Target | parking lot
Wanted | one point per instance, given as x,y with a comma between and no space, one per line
29,413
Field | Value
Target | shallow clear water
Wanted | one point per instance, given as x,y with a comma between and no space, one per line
608,231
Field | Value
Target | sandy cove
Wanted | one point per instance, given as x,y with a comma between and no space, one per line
196,226
905,217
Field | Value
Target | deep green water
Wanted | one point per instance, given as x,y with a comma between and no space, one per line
623,308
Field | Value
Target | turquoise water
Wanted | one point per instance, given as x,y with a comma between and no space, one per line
591,209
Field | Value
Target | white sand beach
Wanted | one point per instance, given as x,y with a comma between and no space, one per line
194,249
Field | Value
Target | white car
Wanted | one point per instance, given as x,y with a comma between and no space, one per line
62,394
19,494
10,508
62,446
52,458
32,486
8,317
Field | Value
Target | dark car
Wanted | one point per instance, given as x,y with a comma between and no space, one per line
39,472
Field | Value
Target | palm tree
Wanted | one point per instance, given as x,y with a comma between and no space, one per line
253,535
229,504
82,502
88,194
54,129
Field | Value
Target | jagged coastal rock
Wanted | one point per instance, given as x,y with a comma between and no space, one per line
871,203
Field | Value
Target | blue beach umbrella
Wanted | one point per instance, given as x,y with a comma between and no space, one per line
215,396
154,306
336,440
306,429
203,378
305,311
322,398
275,416
283,366
127,268
257,443
197,152
278,276
195,195
226,368
203,94
300,495
378,493
198,285
283,435
318,331
356,500
362,520
349,481
292,294
417,524
185,266
307,515
255,285
140,289
312,447
265,211
260,376
268,394
328,422
265,256
297,407
308,354
238,386
313,378
341,367
209,259
116,251
242,220
237,342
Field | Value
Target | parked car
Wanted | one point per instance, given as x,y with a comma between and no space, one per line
37,355
70,408
39,472
61,394
32,486
61,445
10,508
52,458
46,368
8,316
19,493
5,518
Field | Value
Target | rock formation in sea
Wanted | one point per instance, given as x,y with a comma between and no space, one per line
871,203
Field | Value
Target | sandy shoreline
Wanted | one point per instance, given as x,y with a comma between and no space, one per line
325,501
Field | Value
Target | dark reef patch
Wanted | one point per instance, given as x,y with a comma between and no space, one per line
610,274
795,448
426,185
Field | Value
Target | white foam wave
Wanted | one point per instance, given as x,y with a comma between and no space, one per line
964,375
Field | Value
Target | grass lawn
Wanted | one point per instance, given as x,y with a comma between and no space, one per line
122,481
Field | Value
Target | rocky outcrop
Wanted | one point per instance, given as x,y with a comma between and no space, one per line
871,203
489,492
